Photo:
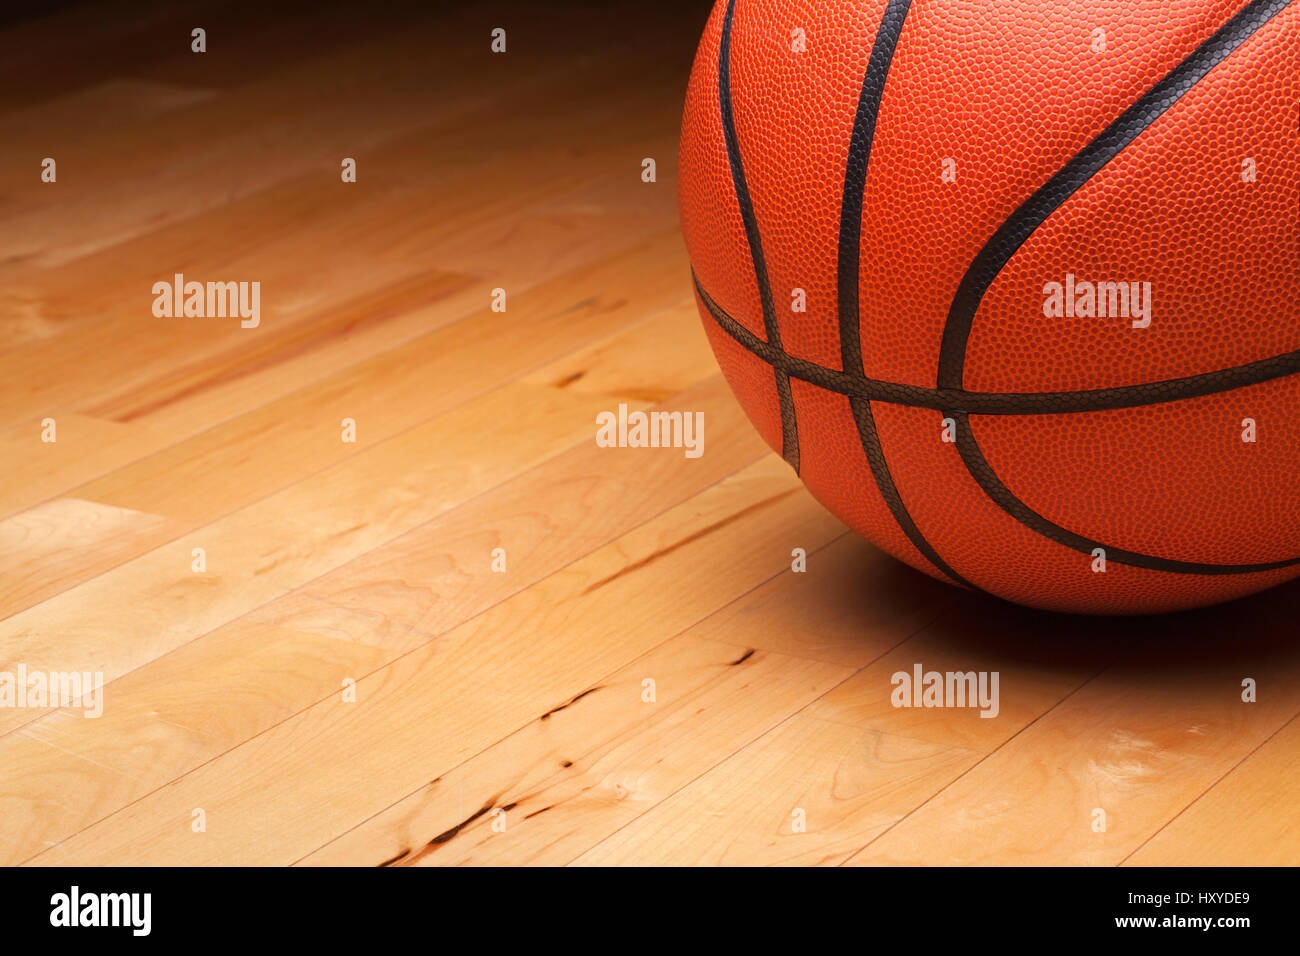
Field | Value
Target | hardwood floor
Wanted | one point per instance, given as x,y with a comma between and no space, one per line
471,635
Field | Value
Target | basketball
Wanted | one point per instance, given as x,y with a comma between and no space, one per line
1015,287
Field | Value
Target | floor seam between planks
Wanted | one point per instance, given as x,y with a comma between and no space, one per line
477,315
1218,780
920,629
975,765
347,457
389,663
566,449
605,677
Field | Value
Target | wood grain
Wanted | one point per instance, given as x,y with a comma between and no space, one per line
681,661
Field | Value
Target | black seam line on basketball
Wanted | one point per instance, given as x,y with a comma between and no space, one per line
785,396
859,389
1006,403
848,304
855,179
1022,224
889,491
987,479
990,261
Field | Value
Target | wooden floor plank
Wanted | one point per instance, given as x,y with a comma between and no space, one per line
496,586
307,226
241,462
308,264
1163,722
396,598
847,767
85,448
468,689
637,756
1245,819
560,784
260,552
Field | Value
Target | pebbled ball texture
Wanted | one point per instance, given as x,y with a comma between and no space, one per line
924,171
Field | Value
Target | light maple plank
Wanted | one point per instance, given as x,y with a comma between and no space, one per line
439,578
38,472
632,758
70,771
847,767
1245,819
232,465
464,691
548,791
53,532
1153,730
395,598
851,605
263,551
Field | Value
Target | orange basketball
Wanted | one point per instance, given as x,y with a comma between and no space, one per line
1015,287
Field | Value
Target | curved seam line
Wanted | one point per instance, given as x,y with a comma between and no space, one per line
1006,403
954,400
1006,499
859,388
785,397
857,162
1074,175
1022,224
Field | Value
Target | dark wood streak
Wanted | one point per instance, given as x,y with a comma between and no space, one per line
445,836
569,703
703,532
